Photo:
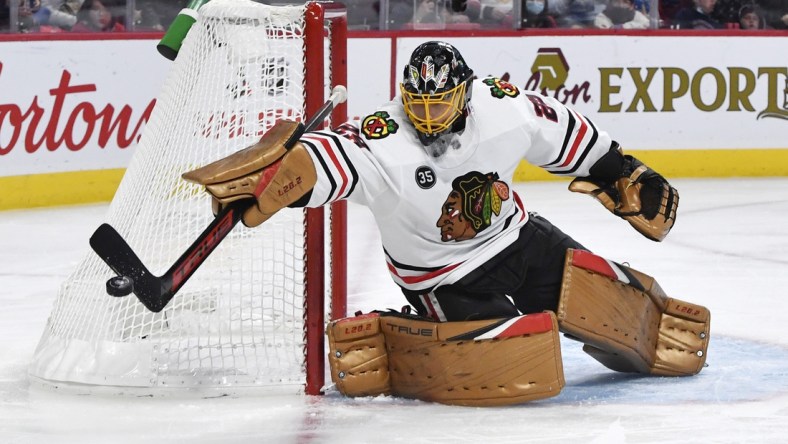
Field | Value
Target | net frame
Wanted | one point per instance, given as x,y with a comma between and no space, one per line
324,55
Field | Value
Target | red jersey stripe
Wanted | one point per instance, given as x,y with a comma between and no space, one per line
423,277
579,138
333,156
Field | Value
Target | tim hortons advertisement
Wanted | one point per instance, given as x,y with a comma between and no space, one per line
74,105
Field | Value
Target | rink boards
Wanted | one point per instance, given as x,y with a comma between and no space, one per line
72,111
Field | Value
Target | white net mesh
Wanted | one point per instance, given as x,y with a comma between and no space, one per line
239,320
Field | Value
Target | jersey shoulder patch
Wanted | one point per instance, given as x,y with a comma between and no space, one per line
378,125
501,88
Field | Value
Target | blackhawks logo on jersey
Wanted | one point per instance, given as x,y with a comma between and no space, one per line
378,125
472,202
501,88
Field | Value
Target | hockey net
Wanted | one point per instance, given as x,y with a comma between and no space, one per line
253,314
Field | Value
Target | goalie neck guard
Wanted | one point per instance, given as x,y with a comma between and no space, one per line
436,89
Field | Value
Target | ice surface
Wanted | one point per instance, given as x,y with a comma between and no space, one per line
726,252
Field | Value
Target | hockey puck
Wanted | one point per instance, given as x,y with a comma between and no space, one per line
120,286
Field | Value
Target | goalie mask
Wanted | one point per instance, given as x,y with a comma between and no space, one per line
436,89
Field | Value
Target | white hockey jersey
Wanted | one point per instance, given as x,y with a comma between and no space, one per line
441,216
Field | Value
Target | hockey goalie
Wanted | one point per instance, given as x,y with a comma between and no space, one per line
489,285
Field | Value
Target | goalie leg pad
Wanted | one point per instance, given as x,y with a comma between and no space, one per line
475,363
357,356
626,320
683,332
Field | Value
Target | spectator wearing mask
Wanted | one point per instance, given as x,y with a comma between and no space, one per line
536,14
621,14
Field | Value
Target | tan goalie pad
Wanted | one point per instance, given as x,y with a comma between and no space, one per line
476,363
626,320
357,356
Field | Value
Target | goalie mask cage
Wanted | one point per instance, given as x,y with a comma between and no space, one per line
253,314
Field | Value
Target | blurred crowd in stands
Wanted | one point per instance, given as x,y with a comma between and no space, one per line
52,16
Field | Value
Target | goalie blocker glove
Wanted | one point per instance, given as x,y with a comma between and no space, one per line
633,191
269,172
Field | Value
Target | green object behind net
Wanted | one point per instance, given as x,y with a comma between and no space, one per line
170,44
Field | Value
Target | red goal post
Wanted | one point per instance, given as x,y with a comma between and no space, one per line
336,16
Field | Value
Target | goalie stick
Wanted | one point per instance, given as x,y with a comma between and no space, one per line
155,292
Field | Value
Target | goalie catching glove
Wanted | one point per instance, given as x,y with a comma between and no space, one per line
268,172
633,191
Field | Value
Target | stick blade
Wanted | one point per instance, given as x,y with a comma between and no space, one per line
110,246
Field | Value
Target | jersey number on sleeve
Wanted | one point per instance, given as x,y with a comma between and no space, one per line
425,177
542,109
